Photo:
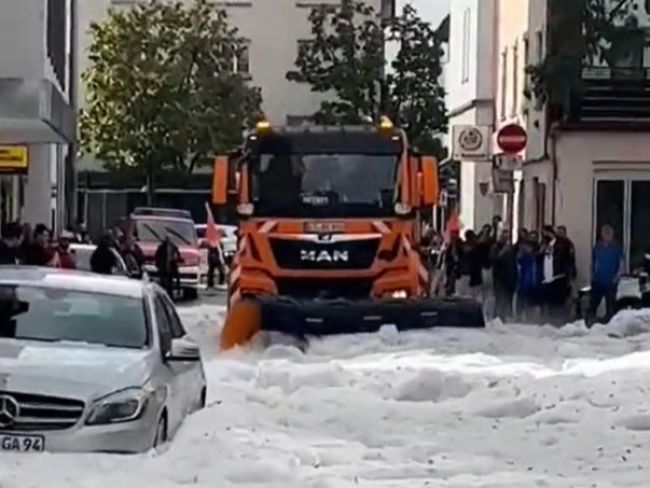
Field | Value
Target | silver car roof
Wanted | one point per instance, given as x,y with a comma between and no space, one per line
73,280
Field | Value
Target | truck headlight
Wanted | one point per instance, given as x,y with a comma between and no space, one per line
121,406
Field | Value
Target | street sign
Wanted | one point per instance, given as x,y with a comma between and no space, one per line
512,139
471,143
503,181
508,162
13,159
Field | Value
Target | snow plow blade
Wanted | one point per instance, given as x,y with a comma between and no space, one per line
328,317
303,318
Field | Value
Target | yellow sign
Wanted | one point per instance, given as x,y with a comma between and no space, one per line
13,159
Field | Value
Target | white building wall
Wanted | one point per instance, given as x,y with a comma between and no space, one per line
273,28
21,31
23,51
470,99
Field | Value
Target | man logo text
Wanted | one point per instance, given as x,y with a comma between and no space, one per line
324,256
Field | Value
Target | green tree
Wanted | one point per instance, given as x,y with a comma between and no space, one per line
345,61
579,32
161,89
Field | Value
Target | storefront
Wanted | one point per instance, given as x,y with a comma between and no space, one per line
598,178
14,163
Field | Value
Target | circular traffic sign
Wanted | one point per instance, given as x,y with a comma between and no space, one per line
512,139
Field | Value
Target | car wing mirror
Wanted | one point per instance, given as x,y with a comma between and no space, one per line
183,349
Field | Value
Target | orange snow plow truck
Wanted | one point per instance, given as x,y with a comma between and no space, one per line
329,234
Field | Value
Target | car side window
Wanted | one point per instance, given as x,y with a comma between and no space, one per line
164,328
174,320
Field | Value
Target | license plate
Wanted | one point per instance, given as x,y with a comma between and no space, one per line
21,443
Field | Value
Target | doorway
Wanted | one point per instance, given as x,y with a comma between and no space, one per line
622,202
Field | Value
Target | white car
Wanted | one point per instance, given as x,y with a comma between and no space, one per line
83,253
91,363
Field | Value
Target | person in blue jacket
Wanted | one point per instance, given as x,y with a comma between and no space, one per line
607,265
529,279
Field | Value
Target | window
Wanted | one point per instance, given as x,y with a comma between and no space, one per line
299,120
526,60
515,79
466,45
55,314
304,45
504,82
164,327
56,38
540,46
175,324
241,62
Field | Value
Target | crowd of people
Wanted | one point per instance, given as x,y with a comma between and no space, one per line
22,245
529,280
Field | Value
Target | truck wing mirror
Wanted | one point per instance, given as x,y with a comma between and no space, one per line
220,181
430,181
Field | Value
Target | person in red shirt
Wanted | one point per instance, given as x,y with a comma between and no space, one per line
66,258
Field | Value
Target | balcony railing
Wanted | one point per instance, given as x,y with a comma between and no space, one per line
612,95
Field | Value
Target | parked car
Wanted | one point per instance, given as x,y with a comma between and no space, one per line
228,239
150,230
92,363
83,252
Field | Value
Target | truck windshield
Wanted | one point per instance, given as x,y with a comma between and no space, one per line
324,185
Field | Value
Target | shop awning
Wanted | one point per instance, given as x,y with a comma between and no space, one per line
34,112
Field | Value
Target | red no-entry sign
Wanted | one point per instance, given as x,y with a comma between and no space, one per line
512,139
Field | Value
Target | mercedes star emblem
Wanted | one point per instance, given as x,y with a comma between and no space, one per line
9,410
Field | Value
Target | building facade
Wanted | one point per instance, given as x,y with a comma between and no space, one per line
274,30
512,106
37,118
586,163
471,81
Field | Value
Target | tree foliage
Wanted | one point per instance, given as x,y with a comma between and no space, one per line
161,91
579,33
345,61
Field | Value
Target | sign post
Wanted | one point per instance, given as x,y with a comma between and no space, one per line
511,139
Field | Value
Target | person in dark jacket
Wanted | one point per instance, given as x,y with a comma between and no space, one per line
132,255
504,275
168,259
12,235
607,265
558,267
38,251
103,260
528,281
452,259
473,266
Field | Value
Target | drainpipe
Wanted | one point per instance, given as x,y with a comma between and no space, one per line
554,134
70,166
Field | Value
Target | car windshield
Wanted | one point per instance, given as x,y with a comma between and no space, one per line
51,315
325,185
180,232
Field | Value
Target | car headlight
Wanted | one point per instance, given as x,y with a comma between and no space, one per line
121,406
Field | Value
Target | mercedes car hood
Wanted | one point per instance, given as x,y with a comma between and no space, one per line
82,372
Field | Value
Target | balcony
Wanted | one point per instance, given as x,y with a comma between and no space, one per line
612,96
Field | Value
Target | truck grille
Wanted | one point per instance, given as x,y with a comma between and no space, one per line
40,412
303,254
350,288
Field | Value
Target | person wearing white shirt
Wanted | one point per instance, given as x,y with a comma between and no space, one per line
556,270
